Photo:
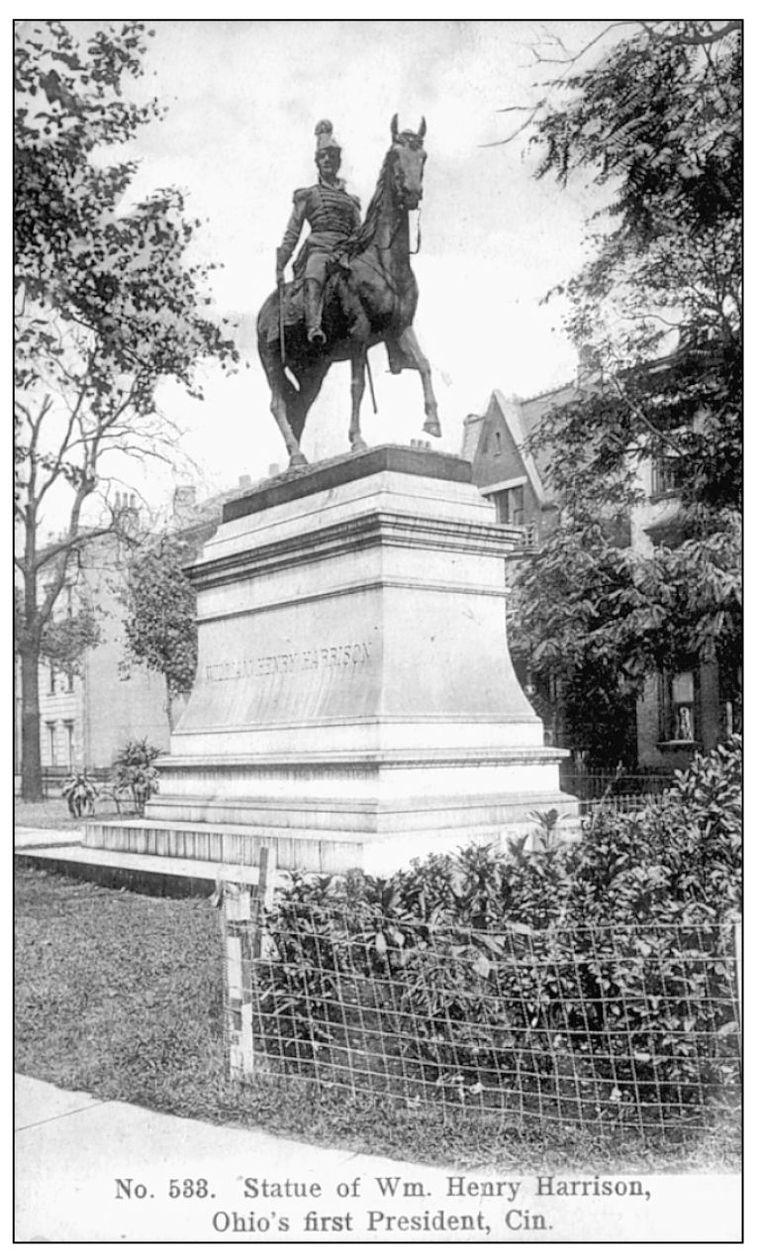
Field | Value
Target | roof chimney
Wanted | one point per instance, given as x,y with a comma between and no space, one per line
183,502
126,511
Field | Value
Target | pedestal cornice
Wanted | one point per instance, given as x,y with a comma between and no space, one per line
371,529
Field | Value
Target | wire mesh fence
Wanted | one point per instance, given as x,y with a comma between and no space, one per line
613,1026
629,803
612,781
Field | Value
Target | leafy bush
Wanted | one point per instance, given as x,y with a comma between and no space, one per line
135,771
595,974
677,860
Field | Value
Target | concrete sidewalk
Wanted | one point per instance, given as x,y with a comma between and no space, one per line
93,1171
45,837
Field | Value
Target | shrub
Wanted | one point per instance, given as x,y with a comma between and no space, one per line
80,794
599,967
135,771
676,860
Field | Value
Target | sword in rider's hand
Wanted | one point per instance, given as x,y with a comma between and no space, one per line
281,317
281,324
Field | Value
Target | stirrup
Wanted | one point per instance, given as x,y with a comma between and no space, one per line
316,336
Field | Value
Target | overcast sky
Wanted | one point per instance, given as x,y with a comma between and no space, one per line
243,99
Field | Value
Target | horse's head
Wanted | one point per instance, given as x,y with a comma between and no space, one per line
406,161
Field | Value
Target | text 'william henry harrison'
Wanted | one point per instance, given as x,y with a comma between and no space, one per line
332,656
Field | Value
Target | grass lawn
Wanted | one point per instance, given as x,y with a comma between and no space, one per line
121,995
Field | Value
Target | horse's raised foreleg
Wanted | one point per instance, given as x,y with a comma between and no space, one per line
410,344
356,440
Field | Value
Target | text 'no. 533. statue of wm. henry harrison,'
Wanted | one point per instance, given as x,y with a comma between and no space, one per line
353,287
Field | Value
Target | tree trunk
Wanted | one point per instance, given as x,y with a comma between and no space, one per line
31,762
29,651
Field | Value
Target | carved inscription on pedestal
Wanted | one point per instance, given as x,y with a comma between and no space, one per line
328,656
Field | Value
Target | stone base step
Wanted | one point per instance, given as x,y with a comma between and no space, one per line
301,849
138,872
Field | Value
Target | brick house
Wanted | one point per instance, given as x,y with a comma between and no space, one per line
87,716
678,713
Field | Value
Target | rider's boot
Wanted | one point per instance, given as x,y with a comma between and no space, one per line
312,295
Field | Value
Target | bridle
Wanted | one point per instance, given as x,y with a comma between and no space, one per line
398,189
397,192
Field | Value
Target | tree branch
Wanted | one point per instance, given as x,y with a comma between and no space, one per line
636,410
493,144
571,59
697,39
63,447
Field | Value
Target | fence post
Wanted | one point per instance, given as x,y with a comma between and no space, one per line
242,907
236,912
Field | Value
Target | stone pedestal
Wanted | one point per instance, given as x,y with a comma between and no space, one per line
355,702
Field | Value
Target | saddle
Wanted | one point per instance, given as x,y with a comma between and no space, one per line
292,298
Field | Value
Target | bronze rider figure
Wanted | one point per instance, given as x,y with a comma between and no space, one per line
333,215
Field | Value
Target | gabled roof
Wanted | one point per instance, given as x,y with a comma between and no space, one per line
511,413
520,417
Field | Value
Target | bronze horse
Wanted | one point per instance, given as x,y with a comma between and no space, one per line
371,297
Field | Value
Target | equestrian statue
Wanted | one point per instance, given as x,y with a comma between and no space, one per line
353,287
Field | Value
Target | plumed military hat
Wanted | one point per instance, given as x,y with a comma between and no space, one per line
325,137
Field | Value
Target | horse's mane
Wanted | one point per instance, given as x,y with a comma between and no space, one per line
364,235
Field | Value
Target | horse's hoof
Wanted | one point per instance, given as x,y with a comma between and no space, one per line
298,460
358,444
433,427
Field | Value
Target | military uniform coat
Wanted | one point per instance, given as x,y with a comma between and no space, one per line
333,214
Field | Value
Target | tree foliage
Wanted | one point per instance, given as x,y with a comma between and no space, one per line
160,626
122,276
108,305
656,314
64,637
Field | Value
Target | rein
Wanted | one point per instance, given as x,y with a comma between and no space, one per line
384,275
416,250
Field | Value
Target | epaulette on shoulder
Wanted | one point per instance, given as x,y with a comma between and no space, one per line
301,194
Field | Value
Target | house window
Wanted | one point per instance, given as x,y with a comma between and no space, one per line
509,504
51,748
51,681
679,708
731,700
69,680
69,729
664,474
